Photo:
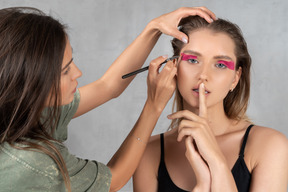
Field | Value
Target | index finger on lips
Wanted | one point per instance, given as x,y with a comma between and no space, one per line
202,101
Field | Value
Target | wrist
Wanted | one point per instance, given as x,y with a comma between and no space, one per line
153,27
201,188
155,108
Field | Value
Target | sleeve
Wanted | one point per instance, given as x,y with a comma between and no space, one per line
66,114
86,175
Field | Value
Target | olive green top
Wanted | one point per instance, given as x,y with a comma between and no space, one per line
22,170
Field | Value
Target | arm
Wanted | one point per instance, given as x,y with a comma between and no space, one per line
271,169
160,89
133,57
145,176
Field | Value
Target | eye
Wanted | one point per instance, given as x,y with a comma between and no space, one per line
66,71
189,58
221,66
192,61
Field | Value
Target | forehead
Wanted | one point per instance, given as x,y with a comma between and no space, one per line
206,41
67,54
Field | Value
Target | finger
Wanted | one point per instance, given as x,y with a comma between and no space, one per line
209,12
189,145
184,132
202,101
191,149
155,65
185,114
179,35
200,11
171,69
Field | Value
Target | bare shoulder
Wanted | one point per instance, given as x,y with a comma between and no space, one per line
268,136
265,142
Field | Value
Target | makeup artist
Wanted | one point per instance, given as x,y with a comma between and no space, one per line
39,97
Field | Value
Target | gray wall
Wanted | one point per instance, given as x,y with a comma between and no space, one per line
100,30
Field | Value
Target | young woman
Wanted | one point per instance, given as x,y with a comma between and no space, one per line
39,97
212,145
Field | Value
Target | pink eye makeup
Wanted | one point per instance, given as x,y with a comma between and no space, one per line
185,57
229,64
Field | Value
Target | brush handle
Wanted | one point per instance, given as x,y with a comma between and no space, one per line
146,68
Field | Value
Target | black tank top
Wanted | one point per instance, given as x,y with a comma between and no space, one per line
240,172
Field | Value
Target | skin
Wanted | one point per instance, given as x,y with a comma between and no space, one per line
205,126
160,88
70,74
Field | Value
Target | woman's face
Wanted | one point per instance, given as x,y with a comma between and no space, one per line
209,58
69,75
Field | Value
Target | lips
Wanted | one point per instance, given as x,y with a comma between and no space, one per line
197,91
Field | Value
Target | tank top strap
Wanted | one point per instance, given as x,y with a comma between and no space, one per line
162,147
245,140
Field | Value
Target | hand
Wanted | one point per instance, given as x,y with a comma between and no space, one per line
169,22
201,145
161,86
198,164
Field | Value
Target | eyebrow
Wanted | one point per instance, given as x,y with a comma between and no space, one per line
225,57
67,65
192,52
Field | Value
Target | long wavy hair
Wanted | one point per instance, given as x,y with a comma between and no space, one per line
32,47
236,102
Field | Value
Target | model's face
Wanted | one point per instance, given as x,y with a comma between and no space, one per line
69,75
209,58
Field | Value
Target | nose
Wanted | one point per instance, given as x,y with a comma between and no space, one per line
204,73
76,72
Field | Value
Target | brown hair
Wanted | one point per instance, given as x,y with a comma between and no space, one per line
32,47
236,102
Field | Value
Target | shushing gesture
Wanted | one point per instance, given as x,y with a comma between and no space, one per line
201,145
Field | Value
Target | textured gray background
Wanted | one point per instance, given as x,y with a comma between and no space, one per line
101,29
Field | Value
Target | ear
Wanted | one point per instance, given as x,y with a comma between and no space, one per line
236,78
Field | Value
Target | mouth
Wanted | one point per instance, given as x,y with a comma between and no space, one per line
74,90
197,91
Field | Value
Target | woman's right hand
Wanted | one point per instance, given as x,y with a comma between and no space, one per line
161,85
168,23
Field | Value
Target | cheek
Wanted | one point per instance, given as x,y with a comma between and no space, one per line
64,91
186,78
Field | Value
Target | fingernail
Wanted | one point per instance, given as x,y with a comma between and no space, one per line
202,85
165,56
168,116
211,20
184,40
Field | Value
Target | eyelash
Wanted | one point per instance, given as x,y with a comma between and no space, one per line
223,65
191,60
66,71
218,65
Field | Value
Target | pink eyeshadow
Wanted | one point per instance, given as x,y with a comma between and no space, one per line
229,64
186,57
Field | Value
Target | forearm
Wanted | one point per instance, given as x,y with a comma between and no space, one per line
111,83
222,178
132,58
126,159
